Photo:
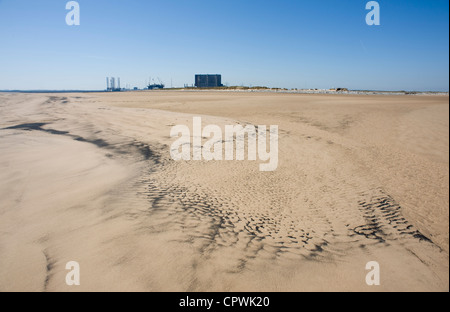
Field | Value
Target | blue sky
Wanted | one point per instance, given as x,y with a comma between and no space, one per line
292,44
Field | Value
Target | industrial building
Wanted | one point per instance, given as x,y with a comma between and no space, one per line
208,81
111,84
154,85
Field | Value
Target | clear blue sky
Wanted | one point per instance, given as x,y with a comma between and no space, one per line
293,44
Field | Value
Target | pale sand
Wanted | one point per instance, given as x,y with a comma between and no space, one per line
88,178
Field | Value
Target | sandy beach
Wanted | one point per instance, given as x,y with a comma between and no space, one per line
88,177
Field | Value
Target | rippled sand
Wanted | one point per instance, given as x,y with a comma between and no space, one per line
88,178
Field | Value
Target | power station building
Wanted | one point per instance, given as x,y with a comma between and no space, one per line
208,81
112,84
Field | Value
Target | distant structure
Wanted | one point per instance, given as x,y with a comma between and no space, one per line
111,84
208,81
155,86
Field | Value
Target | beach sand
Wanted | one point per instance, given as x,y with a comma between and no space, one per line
88,177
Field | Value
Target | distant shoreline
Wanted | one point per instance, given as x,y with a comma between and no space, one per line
309,91
247,90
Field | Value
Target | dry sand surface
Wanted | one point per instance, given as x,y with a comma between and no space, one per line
88,178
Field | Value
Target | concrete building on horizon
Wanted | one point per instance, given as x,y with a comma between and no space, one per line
112,84
208,81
